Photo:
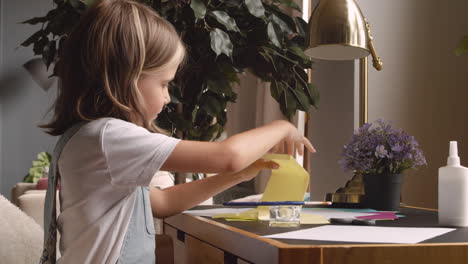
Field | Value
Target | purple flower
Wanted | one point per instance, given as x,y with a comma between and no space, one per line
397,147
381,152
381,149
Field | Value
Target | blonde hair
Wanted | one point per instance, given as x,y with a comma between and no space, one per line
102,59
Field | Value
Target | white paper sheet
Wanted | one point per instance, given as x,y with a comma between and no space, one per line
216,211
365,234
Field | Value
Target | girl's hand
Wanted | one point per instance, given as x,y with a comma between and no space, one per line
251,171
293,141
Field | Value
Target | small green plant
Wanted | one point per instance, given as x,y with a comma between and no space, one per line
40,167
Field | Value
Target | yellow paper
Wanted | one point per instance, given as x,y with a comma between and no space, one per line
307,218
252,215
247,215
288,183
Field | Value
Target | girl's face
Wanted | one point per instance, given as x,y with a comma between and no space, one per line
154,90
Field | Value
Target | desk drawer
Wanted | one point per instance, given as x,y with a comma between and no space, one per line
179,245
198,251
188,249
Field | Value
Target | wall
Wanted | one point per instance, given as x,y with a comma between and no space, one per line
331,124
23,104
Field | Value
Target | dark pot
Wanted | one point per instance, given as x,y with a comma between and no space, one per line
382,191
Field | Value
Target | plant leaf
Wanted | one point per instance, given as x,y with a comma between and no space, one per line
194,113
78,5
462,46
301,26
219,87
313,94
199,8
210,131
289,3
298,51
28,178
212,106
283,26
276,89
223,18
49,52
255,7
174,99
39,45
227,72
273,34
35,20
35,37
37,163
220,42
301,98
288,104
88,2
44,156
232,3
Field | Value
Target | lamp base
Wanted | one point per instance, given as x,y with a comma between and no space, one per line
352,192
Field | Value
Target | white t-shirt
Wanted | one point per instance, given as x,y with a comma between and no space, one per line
100,168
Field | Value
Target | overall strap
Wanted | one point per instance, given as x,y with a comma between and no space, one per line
139,241
50,214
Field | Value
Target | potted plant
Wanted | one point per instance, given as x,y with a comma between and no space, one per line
224,38
381,154
39,171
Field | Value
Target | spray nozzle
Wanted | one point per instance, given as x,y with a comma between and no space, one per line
453,159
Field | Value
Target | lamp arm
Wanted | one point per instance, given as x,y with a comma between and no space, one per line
376,62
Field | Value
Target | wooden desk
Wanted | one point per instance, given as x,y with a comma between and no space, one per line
205,240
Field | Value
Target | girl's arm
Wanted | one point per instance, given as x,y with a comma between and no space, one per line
178,198
236,152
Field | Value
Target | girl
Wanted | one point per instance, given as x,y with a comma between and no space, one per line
115,70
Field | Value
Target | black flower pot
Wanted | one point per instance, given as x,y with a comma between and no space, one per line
382,191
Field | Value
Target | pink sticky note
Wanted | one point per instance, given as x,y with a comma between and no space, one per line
379,215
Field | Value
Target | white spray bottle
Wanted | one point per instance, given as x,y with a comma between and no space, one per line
453,191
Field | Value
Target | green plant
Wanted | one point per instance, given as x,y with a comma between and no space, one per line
40,167
462,46
224,38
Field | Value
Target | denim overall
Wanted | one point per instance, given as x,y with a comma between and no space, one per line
139,242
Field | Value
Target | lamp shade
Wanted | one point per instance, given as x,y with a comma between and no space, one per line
337,31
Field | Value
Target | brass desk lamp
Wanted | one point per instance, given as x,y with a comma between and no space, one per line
339,31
